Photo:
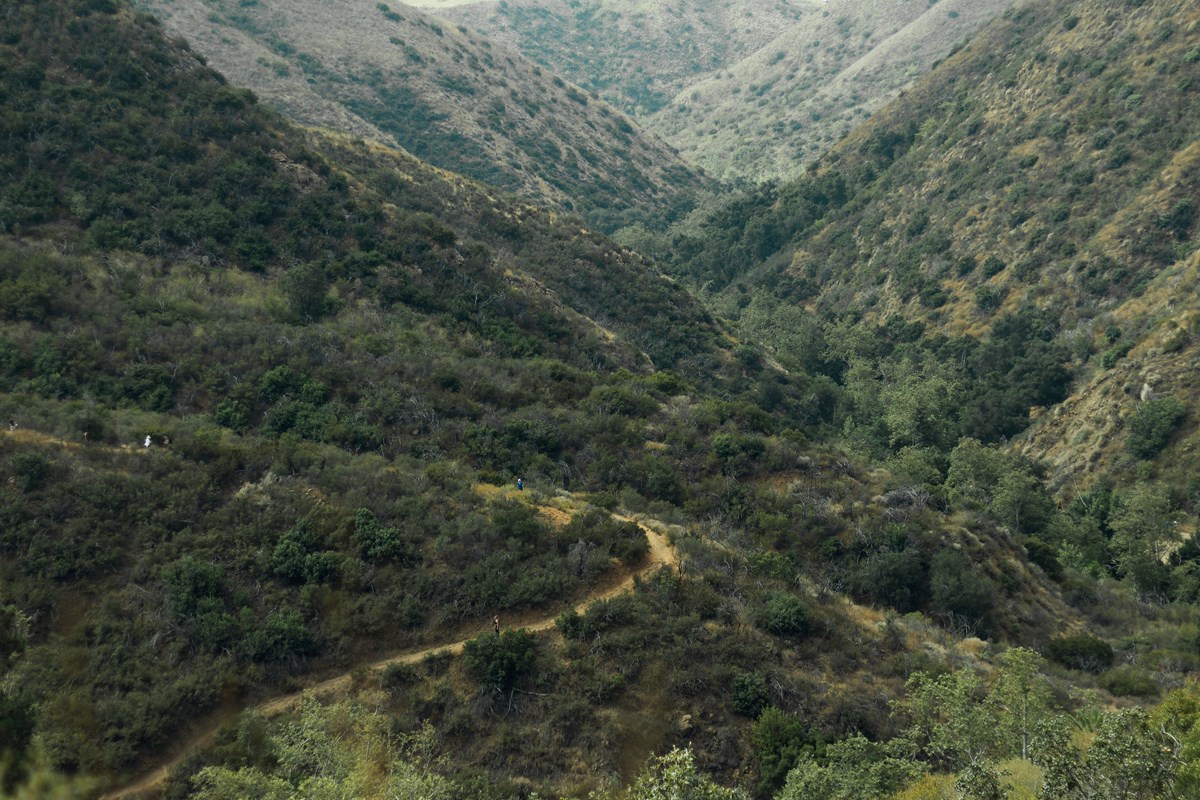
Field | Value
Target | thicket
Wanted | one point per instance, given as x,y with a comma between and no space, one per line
1005,226
317,434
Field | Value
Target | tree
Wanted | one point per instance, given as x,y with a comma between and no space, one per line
674,777
958,592
1141,522
1020,502
780,739
974,471
948,719
305,287
1178,716
1128,759
851,769
1021,697
919,408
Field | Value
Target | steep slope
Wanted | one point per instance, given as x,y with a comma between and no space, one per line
257,380
446,96
1055,160
1010,249
636,56
778,109
747,90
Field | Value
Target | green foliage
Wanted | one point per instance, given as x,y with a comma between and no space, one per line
1152,424
1081,651
674,776
750,695
1126,759
948,718
377,543
899,579
1142,535
499,662
780,740
305,289
17,724
1129,681
283,636
30,470
14,635
596,537
298,556
958,591
850,769
1024,696
784,615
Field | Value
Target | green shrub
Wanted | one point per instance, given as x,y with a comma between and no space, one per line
398,676
1151,426
190,582
780,740
498,662
897,579
1044,555
283,635
957,590
375,542
1129,681
784,615
750,695
231,414
1081,651
14,635
30,470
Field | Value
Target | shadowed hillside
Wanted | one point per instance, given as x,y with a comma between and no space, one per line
446,96
749,89
637,56
269,393
782,107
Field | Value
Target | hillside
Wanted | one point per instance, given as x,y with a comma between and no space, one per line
448,97
269,393
637,56
780,108
262,382
1009,248
749,90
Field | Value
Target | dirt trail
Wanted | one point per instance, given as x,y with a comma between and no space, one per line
661,553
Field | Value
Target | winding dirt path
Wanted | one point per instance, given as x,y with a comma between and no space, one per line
661,553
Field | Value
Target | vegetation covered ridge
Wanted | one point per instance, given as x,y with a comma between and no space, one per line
253,377
658,554
445,95
1018,228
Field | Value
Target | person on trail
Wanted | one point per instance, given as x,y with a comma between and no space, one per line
496,623
12,424
147,440
520,485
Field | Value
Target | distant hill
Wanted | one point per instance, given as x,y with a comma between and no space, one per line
637,56
749,89
777,110
448,97
1037,188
